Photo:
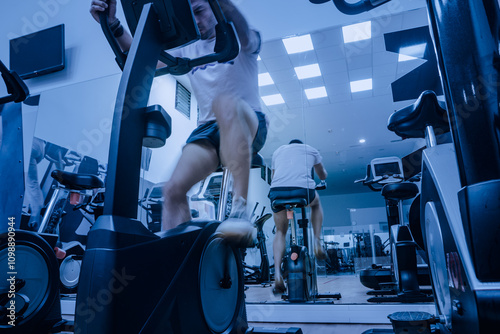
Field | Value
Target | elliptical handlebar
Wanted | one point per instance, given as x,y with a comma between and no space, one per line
121,56
226,46
17,89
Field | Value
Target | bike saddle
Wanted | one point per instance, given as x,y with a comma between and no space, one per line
400,191
75,181
411,121
293,202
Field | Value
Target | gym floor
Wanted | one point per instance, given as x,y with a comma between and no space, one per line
352,291
324,328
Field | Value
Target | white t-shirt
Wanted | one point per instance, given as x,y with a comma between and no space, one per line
238,76
292,166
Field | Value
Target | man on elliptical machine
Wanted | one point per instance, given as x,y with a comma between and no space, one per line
231,127
292,166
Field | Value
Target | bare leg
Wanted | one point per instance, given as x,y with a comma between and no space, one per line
198,160
238,125
279,244
317,223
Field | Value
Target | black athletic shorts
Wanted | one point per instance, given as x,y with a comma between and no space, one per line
290,192
209,132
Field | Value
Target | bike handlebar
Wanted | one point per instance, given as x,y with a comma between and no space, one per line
226,46
17,89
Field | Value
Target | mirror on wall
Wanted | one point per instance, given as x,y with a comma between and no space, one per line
68,132
335,92
335,96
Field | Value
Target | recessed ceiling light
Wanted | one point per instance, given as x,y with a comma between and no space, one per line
271,100
361,85
316,93
307,71
298,44
362,141
412,52
265,79
357,32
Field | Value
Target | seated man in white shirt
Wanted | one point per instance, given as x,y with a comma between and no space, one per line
292,165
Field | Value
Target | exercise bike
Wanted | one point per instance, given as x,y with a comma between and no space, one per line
299,262
401,281
199,288
460,201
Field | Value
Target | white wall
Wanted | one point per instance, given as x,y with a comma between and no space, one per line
336,208
89,61
88,55
163,159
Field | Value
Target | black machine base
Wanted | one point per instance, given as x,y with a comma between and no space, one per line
125,253
393,292
376,275
390,294
402,299
318,296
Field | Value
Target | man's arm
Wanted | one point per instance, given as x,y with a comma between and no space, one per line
320,171
249,39
125,40
97,6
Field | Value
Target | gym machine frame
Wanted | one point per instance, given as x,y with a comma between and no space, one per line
192,279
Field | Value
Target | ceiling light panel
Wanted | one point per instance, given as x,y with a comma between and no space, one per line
361,85
316,93
357,32
265,79
271,100
307,71
298,44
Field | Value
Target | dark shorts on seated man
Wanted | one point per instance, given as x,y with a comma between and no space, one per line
209,132
289,193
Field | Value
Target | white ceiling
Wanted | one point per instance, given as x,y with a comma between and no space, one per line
335,124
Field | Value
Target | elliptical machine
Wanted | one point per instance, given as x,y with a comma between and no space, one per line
199,287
